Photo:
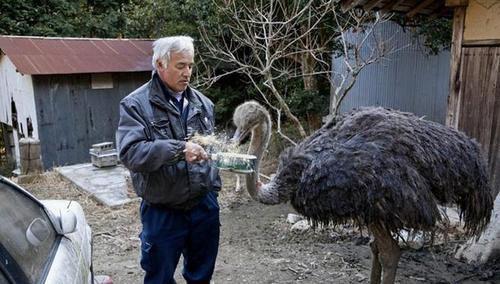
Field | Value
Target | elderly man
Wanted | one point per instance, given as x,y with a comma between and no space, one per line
179,209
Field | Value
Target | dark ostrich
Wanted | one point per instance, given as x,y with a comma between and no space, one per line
387,170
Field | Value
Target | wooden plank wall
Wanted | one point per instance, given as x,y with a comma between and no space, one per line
72,116
479,114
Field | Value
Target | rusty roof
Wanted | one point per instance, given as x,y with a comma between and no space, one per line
46,55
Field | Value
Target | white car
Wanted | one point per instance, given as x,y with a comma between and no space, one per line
42,241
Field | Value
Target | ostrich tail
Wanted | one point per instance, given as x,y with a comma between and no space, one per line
476,211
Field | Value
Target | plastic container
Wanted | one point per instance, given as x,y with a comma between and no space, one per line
234,162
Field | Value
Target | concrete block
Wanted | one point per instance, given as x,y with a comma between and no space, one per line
103,155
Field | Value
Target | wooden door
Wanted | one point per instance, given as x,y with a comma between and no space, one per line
479,111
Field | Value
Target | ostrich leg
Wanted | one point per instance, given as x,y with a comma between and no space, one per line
237,186
376,267
388,255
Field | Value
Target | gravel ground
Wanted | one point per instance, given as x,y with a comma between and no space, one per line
258,246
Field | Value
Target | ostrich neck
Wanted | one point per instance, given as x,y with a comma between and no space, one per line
258,144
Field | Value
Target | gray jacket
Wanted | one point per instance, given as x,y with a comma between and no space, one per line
151,139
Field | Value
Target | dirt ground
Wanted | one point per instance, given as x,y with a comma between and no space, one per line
258,246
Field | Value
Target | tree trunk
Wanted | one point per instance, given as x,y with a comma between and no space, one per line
308,65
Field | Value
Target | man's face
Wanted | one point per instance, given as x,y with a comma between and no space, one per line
178,72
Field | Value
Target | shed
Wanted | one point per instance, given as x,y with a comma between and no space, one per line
65,92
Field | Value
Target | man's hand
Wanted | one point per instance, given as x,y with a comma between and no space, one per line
194,153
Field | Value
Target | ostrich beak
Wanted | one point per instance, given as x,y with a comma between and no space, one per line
236,136
239,136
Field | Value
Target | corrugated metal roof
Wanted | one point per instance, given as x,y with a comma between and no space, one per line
45,55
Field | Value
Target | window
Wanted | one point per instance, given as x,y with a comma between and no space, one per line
27,233
102,81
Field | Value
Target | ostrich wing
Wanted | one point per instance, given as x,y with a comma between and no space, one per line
348,183
382,165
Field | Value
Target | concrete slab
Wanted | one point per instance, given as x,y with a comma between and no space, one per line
107,185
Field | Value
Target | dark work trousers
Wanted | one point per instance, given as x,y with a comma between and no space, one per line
168,233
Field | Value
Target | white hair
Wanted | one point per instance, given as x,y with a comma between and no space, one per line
163,47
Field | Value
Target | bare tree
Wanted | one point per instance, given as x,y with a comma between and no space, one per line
361,45
279,39
272,40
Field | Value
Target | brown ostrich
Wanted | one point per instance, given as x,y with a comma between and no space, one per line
253,119
385,169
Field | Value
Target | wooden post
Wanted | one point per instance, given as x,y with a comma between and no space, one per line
454,98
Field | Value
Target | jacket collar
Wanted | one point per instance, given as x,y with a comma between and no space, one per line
162,100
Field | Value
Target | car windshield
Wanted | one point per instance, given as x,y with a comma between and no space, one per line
27,233
3,278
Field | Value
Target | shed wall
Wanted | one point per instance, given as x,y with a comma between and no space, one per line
479,113
19,88
72,116
482,21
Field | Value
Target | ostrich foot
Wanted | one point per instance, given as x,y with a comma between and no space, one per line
386,253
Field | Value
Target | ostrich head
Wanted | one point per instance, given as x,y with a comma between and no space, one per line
247,117
251,118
